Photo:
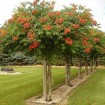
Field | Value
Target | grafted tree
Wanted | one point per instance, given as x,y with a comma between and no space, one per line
98,46
37,29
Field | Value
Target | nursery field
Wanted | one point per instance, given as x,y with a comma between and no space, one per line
91,92
37,31
14,89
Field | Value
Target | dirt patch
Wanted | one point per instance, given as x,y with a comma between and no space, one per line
101,67
60,95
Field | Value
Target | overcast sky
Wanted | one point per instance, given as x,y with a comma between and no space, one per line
97,6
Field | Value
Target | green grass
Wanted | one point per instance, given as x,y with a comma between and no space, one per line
91,92
14,89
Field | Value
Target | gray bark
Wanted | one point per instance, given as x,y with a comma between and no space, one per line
91,66
68,70
86,66
95,64
45,80
49,82
79,68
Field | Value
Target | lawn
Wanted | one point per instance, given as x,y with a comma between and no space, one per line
14,89
91,92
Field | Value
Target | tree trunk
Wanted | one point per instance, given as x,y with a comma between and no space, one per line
91,66
79,69
68,70
95,63
86,66
45,80
49,82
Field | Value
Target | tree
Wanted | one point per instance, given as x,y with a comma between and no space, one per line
98,46
28,31
77,22
37,29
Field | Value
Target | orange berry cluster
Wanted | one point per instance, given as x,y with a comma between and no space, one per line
96,39
34,45
11,20
82,21
35,2
70,13
47,27
69,41
34,11
85,43
93,21
15,38
26,25
57,13
87,50
59,21
43,19
30,36
22,20
3,32
75,25
86,38
66,31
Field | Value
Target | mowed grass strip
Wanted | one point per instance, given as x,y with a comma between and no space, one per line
14,89
91,92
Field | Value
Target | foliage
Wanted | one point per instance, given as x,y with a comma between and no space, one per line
37,29
17,59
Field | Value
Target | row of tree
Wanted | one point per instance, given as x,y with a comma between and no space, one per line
38,29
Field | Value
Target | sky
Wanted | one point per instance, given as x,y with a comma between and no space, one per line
97,7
